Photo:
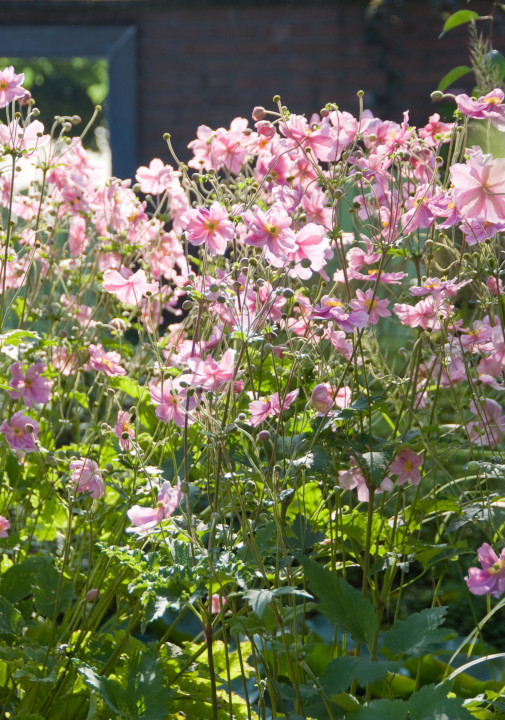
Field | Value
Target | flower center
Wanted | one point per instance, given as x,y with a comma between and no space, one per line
492,101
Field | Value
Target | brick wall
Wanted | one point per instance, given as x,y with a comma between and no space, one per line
206,63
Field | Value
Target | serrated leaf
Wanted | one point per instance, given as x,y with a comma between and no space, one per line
418,633
341,672
431,703
453,75
38,577
460,17
340,602
105,688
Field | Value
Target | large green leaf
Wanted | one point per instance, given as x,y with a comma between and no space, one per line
418,633
383,710
431,703
38,577
341,672
340,602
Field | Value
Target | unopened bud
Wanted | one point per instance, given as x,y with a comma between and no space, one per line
258,113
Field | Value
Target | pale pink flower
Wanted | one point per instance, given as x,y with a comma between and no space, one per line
427,313
479,187
26,138
210,374
63,361
317,136
366,302
87,477
271,229
435,132
490,107
127,286
270,406
210,226
495,286
436,287
11,86
321,398
332,309
407,466
145,519
4,526
157,178
124,427
312,244
490,428
21,433
31,386
354,479
172,402
103,361
77,240
490,580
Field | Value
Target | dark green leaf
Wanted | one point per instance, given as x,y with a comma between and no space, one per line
460,17
304,534
453,75
375,465
108,690
36,576
340,602
431,703
343,671
10,618
418,633
383,710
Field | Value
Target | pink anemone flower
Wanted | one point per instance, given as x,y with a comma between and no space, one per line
490,580
145,519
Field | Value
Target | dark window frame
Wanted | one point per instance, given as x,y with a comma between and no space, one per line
115,43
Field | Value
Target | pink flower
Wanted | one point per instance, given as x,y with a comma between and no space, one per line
127,286
490,428
21,433
157,178
270,406
209,226
4,526
11,86
27,138
479,187
106,362
488,106
313,245
353,479
87,477
210,374
491,579
322,398
217,602
435,132
123,427
366,302
31,386
145,519
407,466
172,403
271,229
426,313
77,240
332,309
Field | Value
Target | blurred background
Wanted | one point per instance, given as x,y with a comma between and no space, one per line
161,66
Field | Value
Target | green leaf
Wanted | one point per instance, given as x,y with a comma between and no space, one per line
455,74
108,690
431,703
258,600
14,337
340,602
382,710
341,672
418,633
461,17
10,618
38,577
128,386
497,62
